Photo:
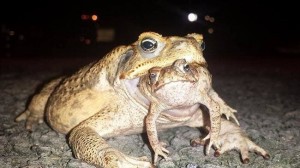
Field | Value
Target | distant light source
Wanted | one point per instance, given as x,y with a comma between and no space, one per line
209,18
94,17
84,17
11,33
192,17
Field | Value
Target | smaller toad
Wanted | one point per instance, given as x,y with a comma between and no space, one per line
177,91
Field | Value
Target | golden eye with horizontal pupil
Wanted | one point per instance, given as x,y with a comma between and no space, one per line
148,44
202,46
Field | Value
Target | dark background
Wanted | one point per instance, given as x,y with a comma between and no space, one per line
54,29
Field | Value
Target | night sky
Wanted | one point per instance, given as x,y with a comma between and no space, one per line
239,27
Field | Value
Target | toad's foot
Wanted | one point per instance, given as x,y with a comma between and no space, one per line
34,114
112,158
160,150
212,142
32,119
232,137
242,143
92,148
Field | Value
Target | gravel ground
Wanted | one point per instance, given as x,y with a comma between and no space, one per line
268,104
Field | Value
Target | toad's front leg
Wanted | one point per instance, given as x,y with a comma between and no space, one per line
224,108
88,144
154,111
215,122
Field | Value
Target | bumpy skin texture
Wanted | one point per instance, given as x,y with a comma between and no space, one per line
81,105
180,86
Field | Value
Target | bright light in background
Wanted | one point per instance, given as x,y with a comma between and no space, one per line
94,17
89,17
192,17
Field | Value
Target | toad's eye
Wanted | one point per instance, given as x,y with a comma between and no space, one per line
202,46
186,67
153,78
152,75
149,44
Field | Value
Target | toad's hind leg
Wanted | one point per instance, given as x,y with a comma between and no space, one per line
88,144
92,148
36,108
233,137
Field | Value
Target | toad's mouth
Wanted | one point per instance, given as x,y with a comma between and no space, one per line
166,85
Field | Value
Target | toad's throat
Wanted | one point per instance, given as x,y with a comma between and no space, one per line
180,113
176,113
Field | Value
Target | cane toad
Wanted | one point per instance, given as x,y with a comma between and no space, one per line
175,94
103,100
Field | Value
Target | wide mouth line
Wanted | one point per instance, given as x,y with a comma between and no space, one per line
171,82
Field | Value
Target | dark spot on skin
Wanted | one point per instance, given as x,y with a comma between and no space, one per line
76,104
122,76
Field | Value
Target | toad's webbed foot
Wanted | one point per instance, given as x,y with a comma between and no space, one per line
232,137
159,149
31,118
34,113
242,143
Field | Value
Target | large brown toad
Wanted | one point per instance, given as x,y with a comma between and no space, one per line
102,99
175,94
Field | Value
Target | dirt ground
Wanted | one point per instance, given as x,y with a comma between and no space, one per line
265,93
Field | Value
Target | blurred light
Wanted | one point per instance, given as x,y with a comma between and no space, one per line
206,17
81,39
94,17
21,37
84,17
11,33
87,41
192,17
210,30
209,18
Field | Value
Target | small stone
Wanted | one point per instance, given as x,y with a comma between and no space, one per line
191,165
